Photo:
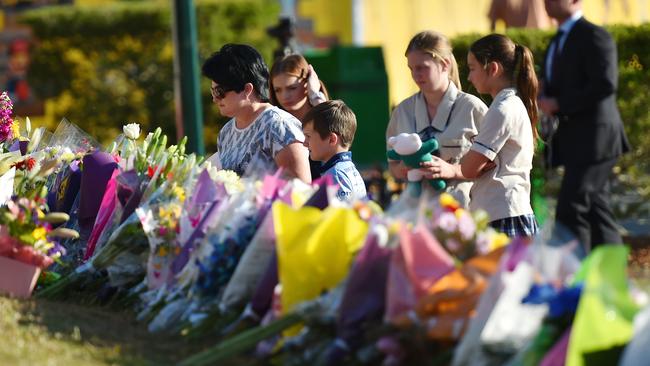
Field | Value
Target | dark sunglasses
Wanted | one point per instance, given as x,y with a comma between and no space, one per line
219,92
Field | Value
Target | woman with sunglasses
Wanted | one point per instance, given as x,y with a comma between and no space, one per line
259,138
295,87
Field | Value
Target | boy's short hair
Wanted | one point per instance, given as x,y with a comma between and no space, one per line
234,65
333,116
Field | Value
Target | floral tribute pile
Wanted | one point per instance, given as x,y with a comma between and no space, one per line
285,272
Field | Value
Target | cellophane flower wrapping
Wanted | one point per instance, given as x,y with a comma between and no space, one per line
160,223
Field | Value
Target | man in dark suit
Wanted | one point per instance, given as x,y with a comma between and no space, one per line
580,81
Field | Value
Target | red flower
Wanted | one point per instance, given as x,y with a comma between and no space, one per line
27,164
30,162
151,170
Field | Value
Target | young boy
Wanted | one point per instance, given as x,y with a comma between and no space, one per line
329,130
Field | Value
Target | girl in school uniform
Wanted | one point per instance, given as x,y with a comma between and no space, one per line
439,109
501,155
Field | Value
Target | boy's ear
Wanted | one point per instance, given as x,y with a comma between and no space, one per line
333,139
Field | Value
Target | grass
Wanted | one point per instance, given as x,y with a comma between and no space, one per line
56,333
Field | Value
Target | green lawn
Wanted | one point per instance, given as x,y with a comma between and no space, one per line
37,332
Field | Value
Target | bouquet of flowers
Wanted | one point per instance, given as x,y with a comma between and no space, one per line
149,172
463,233
26,232
161,225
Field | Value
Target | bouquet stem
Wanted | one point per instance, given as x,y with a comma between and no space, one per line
214,322
241,342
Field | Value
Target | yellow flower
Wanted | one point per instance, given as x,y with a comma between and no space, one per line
179,192
162,251
459,213
395,227
448,201
499,240
39,233
169,213
15,129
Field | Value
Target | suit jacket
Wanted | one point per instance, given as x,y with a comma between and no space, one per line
584,82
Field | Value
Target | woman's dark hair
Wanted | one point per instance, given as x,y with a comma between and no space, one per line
234,65
517,62
294,65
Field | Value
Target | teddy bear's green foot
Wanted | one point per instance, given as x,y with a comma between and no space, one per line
438,184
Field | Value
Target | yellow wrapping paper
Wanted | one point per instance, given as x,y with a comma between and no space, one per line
315,249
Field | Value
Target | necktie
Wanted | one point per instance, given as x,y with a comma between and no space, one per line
556,54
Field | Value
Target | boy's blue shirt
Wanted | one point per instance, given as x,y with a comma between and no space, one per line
342,169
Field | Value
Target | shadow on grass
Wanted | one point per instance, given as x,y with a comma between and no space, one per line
106,329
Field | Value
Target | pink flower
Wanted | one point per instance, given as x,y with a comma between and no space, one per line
483,242
195,220
6,122
453,245
466,226
447,222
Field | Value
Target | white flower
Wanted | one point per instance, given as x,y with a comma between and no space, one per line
228,178
67,155
149,224
131,131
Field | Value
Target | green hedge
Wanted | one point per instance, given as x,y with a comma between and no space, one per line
633,43
107,65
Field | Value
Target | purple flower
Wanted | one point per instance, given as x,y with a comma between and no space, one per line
56,249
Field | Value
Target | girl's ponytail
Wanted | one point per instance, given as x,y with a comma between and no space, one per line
518,65
527,84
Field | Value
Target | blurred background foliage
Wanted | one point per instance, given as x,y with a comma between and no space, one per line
102,66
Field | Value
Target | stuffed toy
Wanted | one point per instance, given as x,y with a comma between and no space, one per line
408,148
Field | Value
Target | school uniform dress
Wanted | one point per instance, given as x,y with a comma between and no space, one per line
506,138
456,122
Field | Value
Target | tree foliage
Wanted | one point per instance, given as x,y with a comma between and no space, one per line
104,66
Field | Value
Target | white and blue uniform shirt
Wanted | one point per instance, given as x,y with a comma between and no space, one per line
341,168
